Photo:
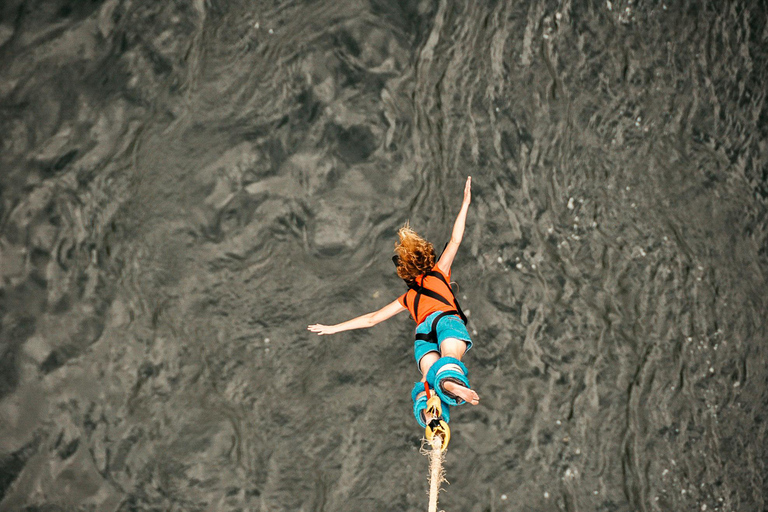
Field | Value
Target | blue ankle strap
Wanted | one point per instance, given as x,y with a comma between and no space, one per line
420,403
448,369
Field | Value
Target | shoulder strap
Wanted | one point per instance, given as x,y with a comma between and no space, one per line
417,289
416,301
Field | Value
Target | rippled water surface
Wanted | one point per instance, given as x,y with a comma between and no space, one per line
186,185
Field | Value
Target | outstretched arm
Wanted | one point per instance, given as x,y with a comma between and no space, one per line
446,260
361,322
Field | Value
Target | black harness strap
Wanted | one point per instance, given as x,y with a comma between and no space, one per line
453,296
432,334
436,296
416,299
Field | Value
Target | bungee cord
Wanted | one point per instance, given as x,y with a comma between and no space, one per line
436,472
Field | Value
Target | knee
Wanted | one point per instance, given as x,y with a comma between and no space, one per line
426,362
453,347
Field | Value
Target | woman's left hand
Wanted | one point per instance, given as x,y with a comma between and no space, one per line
321,329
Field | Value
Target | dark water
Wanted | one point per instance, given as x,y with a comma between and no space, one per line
186,185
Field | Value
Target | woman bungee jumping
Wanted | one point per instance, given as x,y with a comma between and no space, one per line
441,337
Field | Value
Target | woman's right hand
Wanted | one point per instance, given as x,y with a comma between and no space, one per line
321,329
468,190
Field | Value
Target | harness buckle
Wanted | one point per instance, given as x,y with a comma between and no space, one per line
434,407
438,427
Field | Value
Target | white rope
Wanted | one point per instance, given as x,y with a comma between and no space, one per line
436,475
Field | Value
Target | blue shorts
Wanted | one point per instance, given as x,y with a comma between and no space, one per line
450,326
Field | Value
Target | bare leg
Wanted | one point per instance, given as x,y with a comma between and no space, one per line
425,364
453,347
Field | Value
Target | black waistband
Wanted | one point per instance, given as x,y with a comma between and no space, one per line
431,336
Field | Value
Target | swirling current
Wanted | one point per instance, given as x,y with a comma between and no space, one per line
186,184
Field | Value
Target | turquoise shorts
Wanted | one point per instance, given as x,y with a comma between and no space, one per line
449,326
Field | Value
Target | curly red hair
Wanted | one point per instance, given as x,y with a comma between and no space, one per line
414,255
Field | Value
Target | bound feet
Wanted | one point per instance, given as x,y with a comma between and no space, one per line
465,394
